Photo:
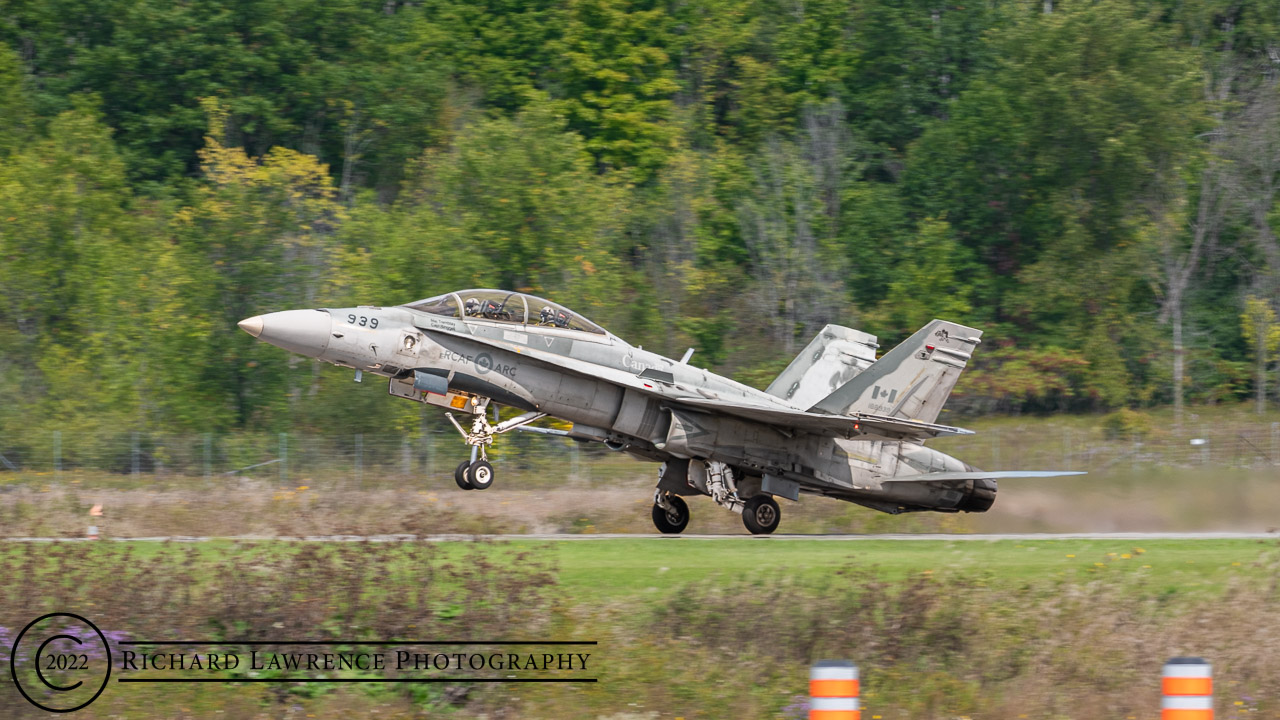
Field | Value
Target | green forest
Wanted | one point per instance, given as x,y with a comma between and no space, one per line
1092,183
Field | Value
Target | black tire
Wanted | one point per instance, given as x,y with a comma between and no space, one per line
480,475
674,521
460,475
761,514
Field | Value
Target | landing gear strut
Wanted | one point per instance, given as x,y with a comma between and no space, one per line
760,513
477,473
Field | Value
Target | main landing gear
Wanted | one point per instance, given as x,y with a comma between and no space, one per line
477,473
670,513
760,513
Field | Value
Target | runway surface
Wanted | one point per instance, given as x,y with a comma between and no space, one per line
677,538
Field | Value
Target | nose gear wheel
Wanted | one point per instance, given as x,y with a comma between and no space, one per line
477,473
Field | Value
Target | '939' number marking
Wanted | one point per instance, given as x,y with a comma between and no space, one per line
362,320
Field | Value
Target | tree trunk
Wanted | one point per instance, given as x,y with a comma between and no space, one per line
1261,369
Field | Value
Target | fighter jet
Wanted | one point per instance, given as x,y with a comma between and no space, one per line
836,423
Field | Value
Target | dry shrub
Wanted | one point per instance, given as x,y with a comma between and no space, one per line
256,512
975,646
302,591
287,591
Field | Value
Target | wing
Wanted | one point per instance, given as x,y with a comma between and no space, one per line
651,382
857,424
980,475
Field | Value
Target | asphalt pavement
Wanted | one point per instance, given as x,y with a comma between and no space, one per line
678,538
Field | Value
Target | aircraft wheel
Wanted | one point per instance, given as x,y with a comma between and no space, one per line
761,514
480,475
673,521
460,475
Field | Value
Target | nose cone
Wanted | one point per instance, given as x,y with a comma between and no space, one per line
252,325
305,332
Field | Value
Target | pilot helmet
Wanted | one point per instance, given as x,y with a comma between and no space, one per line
472,306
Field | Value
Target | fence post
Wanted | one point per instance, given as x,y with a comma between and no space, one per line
284,458
995,448
429,444
57,455
359,461
1066,448
833,691
133,455
1186,684
1275,443
208,460
406,458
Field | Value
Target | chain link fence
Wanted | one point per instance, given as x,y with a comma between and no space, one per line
364,460
1090,450
351,461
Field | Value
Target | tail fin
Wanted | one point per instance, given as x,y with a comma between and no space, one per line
913,380
831,359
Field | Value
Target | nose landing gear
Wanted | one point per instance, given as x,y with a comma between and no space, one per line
477,473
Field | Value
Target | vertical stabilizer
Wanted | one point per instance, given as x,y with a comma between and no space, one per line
911,381
831,359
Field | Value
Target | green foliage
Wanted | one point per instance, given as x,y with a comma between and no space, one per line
927,282
1262,334
723,175
15,105
293,73
1260,329
1126,424
518,196
72,282
617,80
1075,97
1010,378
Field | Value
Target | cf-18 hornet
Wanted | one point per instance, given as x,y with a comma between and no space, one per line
836,423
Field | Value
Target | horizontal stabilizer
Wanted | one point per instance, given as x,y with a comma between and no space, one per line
980,475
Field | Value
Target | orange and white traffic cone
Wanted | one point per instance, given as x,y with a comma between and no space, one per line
1187,686
833,691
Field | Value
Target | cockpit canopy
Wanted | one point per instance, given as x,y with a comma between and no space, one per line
504,306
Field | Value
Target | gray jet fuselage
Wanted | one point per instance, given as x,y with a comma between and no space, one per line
624,396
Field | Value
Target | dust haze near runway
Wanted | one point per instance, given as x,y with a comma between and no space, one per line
1178,502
